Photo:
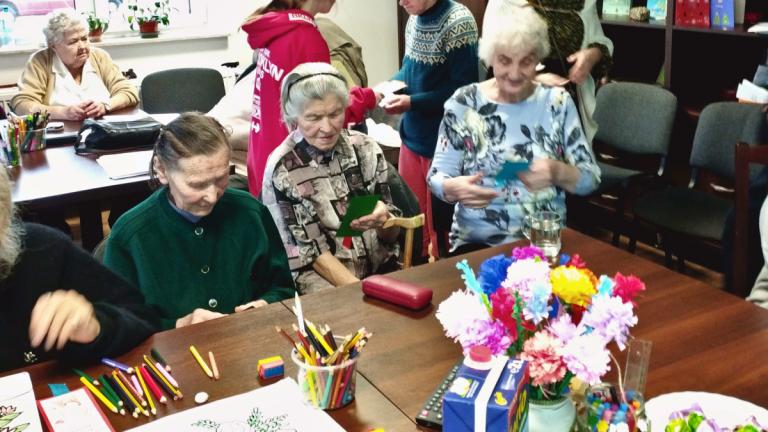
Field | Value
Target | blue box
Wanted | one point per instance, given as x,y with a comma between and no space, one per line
507,404
722,14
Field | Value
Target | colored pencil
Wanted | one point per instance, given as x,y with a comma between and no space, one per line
174,392
214,367
117,365
136,385
285,335
107,403
143,385
166,374
111,392
128,394
127,383
156,355
200,361
86,376
129,405
319,337
150,382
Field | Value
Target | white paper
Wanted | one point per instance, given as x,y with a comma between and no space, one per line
725,410
17,404
761,27
280,405
165,118
126,165
384,134
749,92
74,412
388,89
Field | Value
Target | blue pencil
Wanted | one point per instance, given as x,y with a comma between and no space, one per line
117,365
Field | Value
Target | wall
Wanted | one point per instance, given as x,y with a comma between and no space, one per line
373,23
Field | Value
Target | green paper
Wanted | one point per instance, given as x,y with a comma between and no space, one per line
510,170
358,206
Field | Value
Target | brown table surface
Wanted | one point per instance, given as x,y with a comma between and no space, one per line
238,342
703,339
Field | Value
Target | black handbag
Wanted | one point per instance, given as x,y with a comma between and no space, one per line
99,136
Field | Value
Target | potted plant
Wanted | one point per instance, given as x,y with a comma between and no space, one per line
96,27
148,16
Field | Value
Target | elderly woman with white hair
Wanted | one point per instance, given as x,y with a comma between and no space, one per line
58,301
70,79
510,117
311,177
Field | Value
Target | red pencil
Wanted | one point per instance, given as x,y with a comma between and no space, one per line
152,385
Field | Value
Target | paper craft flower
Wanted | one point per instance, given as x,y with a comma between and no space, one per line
561,320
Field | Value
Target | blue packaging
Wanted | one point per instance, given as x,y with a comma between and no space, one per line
722,14
506,405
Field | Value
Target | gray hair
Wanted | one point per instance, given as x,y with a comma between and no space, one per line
61,21
307,82
514,29
11,229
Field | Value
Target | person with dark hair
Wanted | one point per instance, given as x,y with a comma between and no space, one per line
196,249
312,175
285,35
59,302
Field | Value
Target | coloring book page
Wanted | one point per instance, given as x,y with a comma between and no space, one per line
279,407
18,410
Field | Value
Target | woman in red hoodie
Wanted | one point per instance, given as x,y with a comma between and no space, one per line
284,35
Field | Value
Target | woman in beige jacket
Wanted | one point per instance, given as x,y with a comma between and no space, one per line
70,79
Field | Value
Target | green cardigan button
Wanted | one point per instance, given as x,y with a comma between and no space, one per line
205,269
212,303
199,231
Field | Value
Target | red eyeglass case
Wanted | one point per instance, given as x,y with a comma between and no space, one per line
396,291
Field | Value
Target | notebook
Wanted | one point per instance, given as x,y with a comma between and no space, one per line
18,411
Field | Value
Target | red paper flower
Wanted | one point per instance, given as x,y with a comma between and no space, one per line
627,287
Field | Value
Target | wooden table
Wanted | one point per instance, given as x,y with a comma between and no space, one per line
703,339
238,341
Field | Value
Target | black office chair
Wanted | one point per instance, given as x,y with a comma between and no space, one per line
180,90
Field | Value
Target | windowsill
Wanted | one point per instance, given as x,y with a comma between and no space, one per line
132,38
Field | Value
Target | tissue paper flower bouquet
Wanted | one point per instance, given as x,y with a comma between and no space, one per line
561,320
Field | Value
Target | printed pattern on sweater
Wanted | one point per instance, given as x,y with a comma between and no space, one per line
431,42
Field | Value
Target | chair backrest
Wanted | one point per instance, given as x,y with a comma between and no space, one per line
404,198
635,118
721,126
180,90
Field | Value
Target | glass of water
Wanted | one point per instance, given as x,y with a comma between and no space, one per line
543,230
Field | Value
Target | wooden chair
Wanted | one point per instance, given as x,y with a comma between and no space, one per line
409,224
745,155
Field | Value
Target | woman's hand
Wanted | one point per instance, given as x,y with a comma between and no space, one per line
71,112
376,219
544,173
251,305
197,316
465,190
552,80
93,109
397,104
583,62
62,316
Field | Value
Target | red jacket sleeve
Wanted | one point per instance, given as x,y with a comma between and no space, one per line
361,99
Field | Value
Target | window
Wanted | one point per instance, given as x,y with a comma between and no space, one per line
30,16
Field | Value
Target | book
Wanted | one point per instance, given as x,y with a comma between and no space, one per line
658,9
722,14
73,412
616,7
18,411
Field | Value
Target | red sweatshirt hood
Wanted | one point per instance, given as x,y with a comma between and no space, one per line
275,24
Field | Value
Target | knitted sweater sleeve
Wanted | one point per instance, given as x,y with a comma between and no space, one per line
272,280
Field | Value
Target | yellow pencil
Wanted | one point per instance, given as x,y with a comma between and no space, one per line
319,338
152,408
173,389
129,394
110,406
200,361
213,364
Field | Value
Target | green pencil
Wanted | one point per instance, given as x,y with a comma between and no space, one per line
86,376
110,392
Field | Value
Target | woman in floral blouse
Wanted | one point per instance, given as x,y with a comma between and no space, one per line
513,118
310,178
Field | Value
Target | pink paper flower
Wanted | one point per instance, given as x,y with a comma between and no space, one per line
527,252
485,332
610,318
587,357
627,287
543,351
523,275
458,309
563,328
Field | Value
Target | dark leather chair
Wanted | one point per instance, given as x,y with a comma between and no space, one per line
180,90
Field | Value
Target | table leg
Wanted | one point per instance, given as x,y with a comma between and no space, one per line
91,230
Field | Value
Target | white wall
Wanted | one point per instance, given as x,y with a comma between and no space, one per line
372,23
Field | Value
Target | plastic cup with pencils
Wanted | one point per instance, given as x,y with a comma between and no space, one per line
34,140
326,387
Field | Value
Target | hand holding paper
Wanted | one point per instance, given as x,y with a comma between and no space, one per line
376,219
358,207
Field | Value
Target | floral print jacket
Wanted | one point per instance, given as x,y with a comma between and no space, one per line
478,135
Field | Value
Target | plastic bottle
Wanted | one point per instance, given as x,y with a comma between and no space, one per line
7,23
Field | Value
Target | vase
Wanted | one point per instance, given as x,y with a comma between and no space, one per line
556,415
95,35
148,29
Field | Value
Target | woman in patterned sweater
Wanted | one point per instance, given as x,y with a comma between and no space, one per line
509,117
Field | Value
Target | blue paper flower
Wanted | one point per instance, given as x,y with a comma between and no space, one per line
493,272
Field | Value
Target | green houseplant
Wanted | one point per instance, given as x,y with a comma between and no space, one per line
96,27
148,15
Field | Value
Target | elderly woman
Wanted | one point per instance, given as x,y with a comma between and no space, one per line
58,302
580,51
312,175
510,117
70,79
196,249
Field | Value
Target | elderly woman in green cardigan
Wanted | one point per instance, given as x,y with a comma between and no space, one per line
197,250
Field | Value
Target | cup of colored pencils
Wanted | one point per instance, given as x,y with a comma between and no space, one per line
28,132
326,364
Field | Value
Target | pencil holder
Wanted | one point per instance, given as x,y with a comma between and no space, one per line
326,387
33,140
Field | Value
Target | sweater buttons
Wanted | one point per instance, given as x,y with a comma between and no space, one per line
212,303
205,269
199,231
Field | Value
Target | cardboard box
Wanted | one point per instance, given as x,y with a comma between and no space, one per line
692,13
722,15
502,390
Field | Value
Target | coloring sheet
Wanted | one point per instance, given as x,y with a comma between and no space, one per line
279,407
18,411
75,411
